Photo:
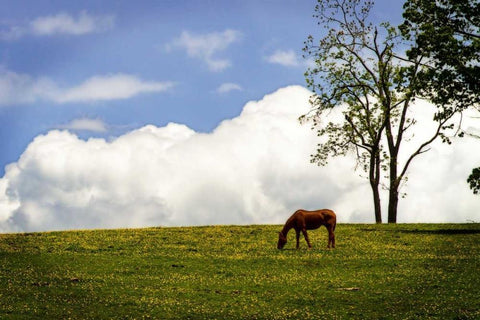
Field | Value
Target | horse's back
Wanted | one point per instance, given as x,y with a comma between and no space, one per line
325,212
314,219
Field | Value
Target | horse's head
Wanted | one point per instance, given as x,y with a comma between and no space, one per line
281,240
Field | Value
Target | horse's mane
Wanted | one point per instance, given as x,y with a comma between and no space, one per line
289,220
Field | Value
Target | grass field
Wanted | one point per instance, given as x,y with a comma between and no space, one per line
236,272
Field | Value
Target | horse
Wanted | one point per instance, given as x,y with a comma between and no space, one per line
303,220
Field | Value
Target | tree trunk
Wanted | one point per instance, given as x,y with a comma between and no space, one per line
393,189
374,177
393,204
376,204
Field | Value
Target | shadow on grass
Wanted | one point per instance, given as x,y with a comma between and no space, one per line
442,231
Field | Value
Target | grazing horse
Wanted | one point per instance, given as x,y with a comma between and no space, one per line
303,220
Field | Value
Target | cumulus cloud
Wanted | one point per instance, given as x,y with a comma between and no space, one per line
253,168
85,124
228,87
206,46
18,88
61,23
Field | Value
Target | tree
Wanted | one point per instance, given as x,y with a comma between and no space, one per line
447,33
353,80
474,180
359,71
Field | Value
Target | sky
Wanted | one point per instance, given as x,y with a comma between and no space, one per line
130,114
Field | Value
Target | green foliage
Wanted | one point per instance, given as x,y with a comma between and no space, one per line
474,180
236,272
446,36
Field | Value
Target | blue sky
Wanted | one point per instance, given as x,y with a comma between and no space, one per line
190,62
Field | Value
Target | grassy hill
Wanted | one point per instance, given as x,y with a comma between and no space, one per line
236,272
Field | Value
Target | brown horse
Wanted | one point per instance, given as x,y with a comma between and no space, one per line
303,220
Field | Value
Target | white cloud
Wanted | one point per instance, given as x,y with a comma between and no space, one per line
250,169
85,124
286,58
64,23
18,88
111,87
206,46
227,87
61,23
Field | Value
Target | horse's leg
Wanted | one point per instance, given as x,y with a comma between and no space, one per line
329,229
331,237
298,238
304,231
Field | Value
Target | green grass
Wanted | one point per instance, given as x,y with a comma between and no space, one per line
236,272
